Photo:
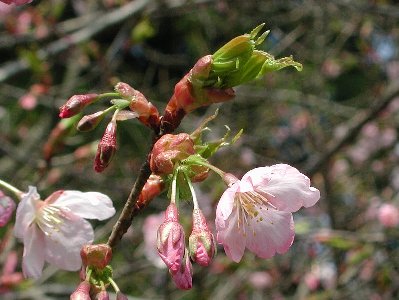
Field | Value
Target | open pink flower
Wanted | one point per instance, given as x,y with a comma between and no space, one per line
54,230
255,212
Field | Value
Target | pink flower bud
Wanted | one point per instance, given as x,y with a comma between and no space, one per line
82,292
103,295
76,104
170,240
98,255
7,207
202,245
201,69
106,148
183,278
152,188
388,215
90,122
168,150
148,113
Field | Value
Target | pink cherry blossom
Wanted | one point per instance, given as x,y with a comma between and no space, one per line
388,215
54,230
255,212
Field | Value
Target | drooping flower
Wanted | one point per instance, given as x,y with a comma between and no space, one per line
202,245
54,230
171,240
255,212
82,292
106,147
183,277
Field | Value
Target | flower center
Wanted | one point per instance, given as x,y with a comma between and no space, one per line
49,219
249,205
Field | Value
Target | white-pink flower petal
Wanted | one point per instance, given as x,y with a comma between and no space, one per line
33,256
90,205
284,186
271,232
26,212
231,237
63,245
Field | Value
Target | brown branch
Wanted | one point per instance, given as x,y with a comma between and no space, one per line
353,129
130,209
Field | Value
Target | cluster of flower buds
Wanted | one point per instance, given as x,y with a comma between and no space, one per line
124,97
96,274
175,158
171,245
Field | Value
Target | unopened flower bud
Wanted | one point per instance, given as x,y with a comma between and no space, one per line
168,150
201,69
184,277
76,104
152,188
98,255
90,122
202,245
103,295
82,292
7,207
106,148
147,113
170,240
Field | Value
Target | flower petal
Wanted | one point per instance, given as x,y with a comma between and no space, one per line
231,237
269,232
26,212
63,245
284,186
33,256
90,205
226,203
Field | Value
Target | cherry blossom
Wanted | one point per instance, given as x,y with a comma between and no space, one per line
388,215
255,212
54,230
